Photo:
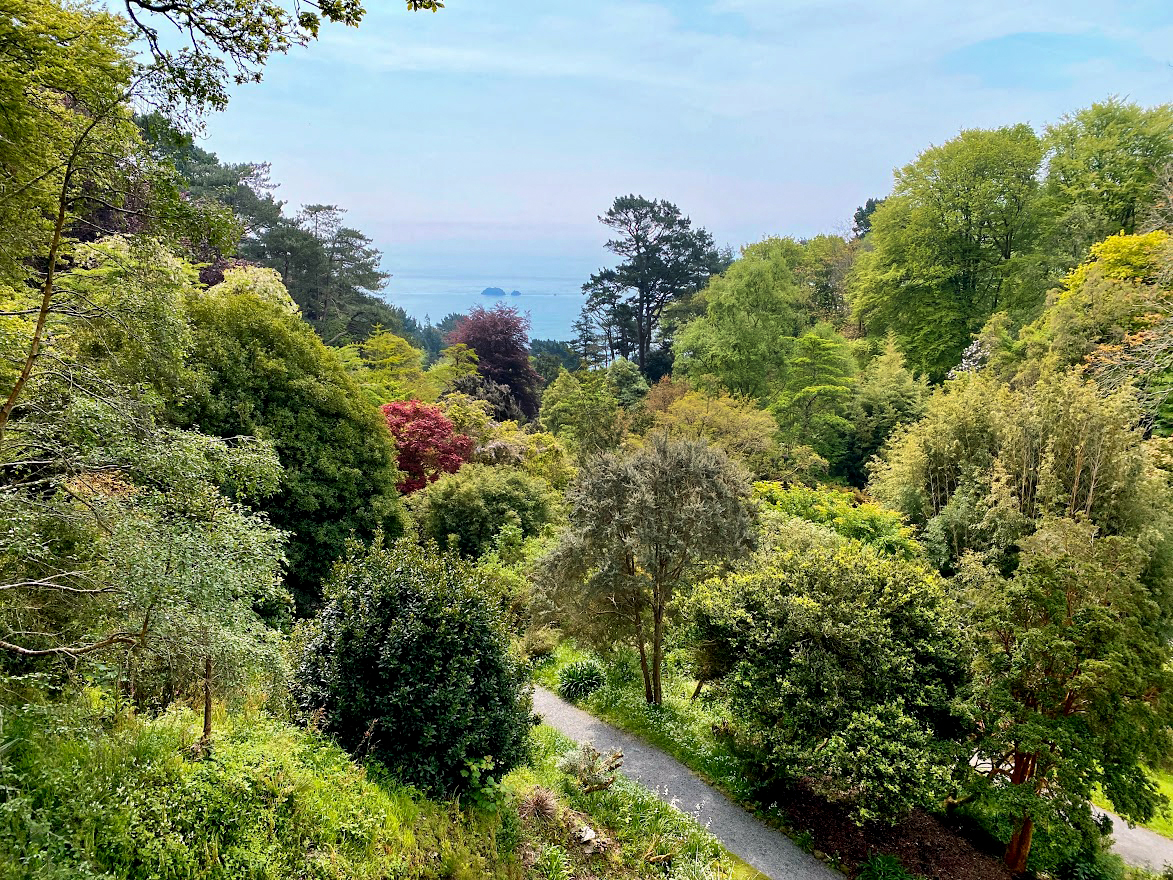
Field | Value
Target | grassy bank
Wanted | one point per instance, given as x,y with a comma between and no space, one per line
89,793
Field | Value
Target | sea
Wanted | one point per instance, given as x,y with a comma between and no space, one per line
552,303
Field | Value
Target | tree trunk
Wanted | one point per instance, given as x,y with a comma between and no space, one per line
207,737
1019,847
643,659
657,657
700,682
643,665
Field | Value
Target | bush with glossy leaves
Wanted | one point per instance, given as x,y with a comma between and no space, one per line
409,664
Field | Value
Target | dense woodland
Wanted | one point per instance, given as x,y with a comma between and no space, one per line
278,564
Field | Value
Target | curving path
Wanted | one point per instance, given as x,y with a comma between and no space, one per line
767,850
1139,846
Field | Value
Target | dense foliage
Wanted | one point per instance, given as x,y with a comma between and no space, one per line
89,801
265,373
952,586
426,444
500,338
842,664
408,664
470,508
641,526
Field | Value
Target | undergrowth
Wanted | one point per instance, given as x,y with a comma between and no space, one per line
122,797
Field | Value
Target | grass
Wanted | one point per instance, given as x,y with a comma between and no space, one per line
94,795
652,839
1162,823
88,792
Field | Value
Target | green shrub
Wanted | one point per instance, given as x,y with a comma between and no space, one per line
844,662
409,664
579,680
1093,865
539,644
866,522
476,503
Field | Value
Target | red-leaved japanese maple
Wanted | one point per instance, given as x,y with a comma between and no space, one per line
427,441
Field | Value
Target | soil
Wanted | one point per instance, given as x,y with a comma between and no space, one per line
926,845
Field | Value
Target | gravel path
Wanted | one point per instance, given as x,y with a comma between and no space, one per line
770,851
1139,846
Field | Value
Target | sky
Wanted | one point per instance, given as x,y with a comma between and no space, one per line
487,138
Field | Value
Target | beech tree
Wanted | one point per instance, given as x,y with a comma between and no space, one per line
953,245
500,338
1105,168
753,312
643,525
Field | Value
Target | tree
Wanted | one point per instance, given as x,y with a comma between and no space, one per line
332,272
816,393
861,223
663,260
886,396
1104,169
823,269
426,443
409,663
266,374
66,142
864,521
841,665
387,367
643,525
582,409
1071,683
987,463
953,244
550,357
127,541
627,383
1112,317
224,41
747,434
753,312
467,510
500,338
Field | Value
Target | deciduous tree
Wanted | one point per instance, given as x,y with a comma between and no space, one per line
953,245
426,444
500,338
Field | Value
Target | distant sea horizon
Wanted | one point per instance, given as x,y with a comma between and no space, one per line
553,303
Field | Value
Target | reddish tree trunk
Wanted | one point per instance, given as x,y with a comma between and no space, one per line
1019,847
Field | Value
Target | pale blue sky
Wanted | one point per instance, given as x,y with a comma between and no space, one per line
486,138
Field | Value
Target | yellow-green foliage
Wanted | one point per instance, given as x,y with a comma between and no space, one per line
868,522
1123,258
270,801
736,425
